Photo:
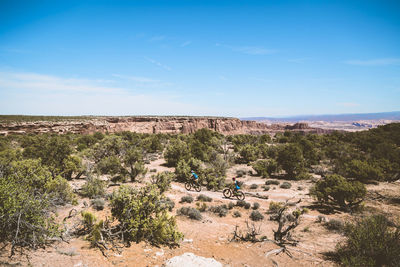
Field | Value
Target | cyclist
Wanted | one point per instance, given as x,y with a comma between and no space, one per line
195,176
236,186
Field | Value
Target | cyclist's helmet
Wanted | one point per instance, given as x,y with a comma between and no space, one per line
233,179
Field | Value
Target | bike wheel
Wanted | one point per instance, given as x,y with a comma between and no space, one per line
197,187
227,193
240,195
188,186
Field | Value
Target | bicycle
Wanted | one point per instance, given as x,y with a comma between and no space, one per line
228,193
189,184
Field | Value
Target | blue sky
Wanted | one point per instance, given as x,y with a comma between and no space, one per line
222,58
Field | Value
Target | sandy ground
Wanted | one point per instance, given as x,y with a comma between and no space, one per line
211,236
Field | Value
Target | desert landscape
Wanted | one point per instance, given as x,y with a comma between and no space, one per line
278,172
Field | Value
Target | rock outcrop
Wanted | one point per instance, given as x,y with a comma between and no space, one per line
147,124
191,260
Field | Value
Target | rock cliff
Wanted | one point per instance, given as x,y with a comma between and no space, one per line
149,124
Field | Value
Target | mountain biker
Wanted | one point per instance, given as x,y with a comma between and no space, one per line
196,177
236,185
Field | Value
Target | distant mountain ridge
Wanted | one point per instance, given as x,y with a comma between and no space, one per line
394,115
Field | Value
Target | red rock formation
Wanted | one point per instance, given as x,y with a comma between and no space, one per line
172,125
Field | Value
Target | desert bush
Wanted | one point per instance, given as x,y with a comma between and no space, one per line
253,186
248,153
334,225
168,203
177,150
202,207
163,180
370,242
363,171
153,170
290,158
98,203
265,168
142,217
186,199
256,216
231,205
192,213
303,176
183,168
275,206
256,205
266,187
240,173
336,190
243,204
236,214
221,210
94,187
27,194
274,182
285,185
204,198
60,191
321,219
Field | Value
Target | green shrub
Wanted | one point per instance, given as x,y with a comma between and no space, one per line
363,171
204,198
274,182
243,204
336,190
256,216
177,150
290,158
240,173
190,212
334,225
98,203
168,203
266,187
370,242
265,168
253,186
231,205
236,214
163,180
94,187
256,205
186,199
303,176
202,207
60,191
221,210
275,206
142,217
285,185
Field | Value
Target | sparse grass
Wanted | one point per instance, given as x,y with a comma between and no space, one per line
190,212
253,186
204,198
98,203
236,214
221,210
186,199
202,207
334,225
275,206
269,182
256,216
285,185
244,204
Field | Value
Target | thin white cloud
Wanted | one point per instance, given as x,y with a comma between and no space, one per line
40,82
249,50
158,64
186,43
33,93
375,62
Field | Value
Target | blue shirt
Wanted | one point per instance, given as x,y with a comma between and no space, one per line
195,175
